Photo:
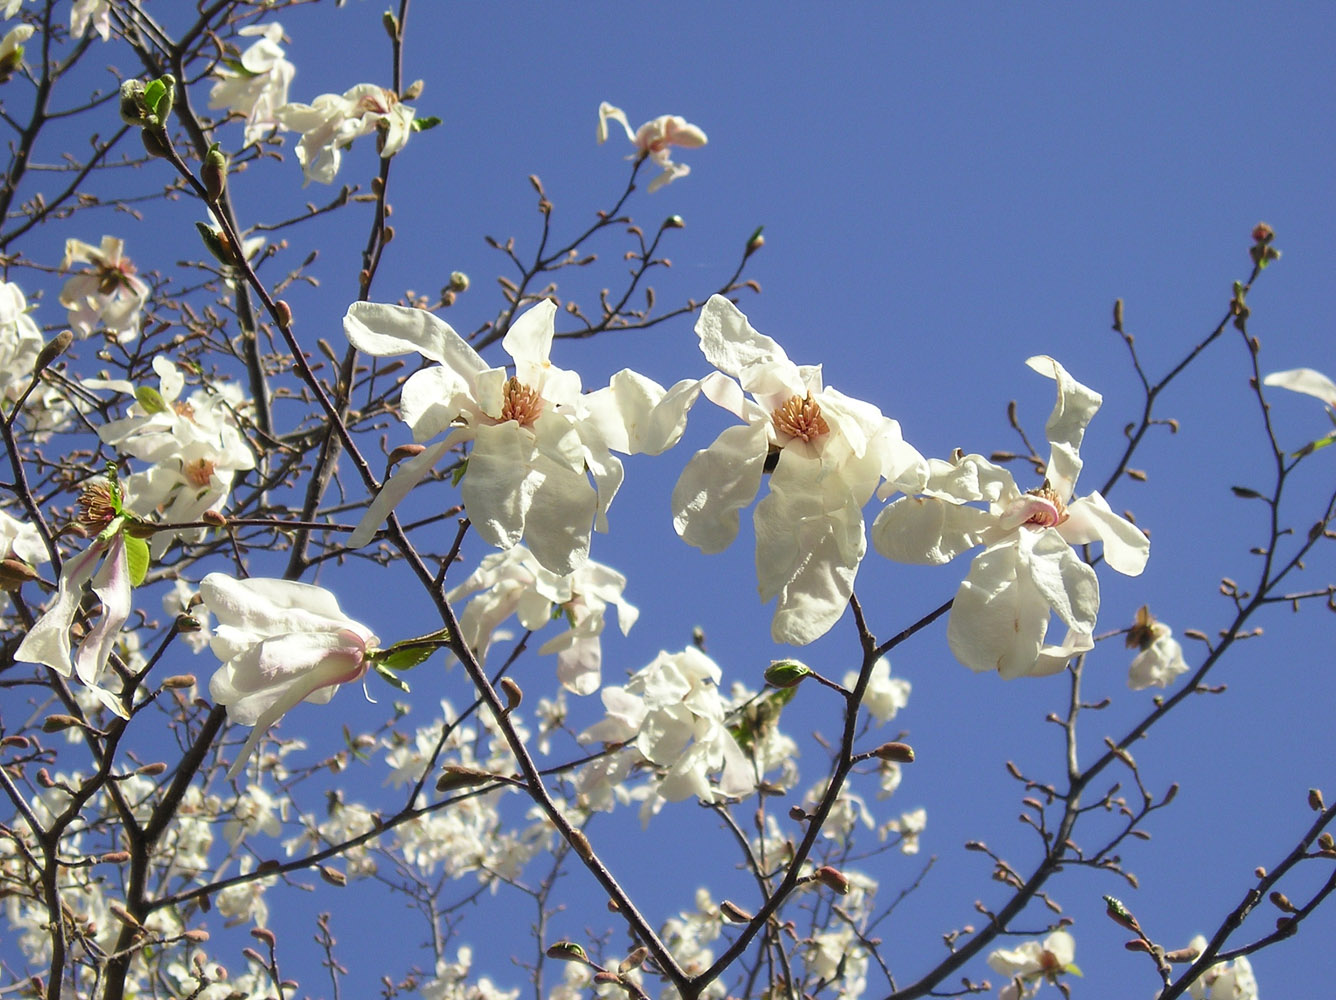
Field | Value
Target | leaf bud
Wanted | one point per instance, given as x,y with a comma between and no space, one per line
391,25
797,813
266,935
1262,233
216,243
901,753
114,858
152,770
1327,842
52,349
215,518
58,723
283,313
1315,802
674,222
186,625
179,682
567,951
633,960
1181,955
16,742
786,673
733,913
413,91
833,878
605,976
458,776
214,173
754,243
156,143
196,935
459,282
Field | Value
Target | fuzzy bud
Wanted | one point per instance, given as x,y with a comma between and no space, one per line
458,776
901,753
733,913
567,951
52,349
786,673
213,174
833,878
514,694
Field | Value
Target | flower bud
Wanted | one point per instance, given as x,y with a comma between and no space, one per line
14,573
633,960
215,518
14,58
786,673
114,858
1315,802
1262,233
179,682
333,876
833,878
155,143
674,222
733,913
283,313
196,935
900,753
567,951
459,282
52,349
152,770
266,935
755,243
513,692
214,173
458,776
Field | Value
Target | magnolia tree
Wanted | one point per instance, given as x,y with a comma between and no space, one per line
209,502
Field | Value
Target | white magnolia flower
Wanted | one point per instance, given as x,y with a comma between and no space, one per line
195,445
108,294
1027,569
96,13
885,695
1034,963
281,643
909,826
256,84
11,7
104,565
1224,980
1160,659
828,453
673,714
515,583
11,49
536,439
21,540
20,342
654,139
331,122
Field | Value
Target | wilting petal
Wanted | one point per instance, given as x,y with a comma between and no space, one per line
1066,425
927,531
1089,519
1053,659
48,641
112,586
717,483
607,113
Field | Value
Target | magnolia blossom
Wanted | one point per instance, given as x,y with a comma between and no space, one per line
1033,964
1160,659
20,342
194,444
331,122
11,49
1027,569
885,695
94,13
826,453
653,140
107,294
281,643
256,84
672,713
536,439
104,565
1224,980
515,583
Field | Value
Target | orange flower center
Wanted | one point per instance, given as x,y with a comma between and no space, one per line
96,509
520,403
800,418
1051,512
198,472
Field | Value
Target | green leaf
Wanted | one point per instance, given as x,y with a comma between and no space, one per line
459,472
136,557
390,677
154,92
403,656
423,124
151,400
1074,969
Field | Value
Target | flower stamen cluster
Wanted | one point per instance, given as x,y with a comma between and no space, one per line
801,418
97,506
1048,510
521,403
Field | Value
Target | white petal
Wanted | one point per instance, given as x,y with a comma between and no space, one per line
635,416
48,641
717,483
112,586
927,531
606,113
998,622
1089,519
1066,425
1066,582
398,486
1307,381
386,330
729,341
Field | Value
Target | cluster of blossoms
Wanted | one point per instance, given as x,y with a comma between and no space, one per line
1034,963
106,295
256,85
654,140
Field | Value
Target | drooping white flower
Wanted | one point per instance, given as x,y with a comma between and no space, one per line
1033,964
515,583
256,84
331,122
105,565
1027,570
281,643
108,294
94,13
536,440
1225,980
674,715
654,140
1160,657
828,454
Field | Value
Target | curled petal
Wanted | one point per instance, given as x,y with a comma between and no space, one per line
717,483
386,330
607,113
1066,425
729,342
1307,381
1089,519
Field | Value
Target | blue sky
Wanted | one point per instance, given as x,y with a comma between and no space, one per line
945,192
942,197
